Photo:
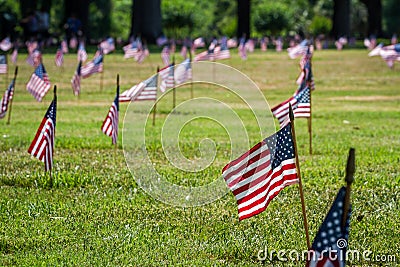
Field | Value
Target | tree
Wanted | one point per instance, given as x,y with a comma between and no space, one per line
374,8
81,9
341,18
243,25
146,19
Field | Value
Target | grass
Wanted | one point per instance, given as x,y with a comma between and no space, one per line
96,214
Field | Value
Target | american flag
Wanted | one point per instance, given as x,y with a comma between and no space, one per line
110,124
82,55
39,83
59,59
165,54
258,175
73,42
390,54
76,80
183,72
184,51
329,246
198,42
131,51
306,74
167,77
34,58
94,66
301,107
32,46
42,146
146,90
3,64
8,94
242,49
5,44
223,51
107,45
298,50
14,55
64,46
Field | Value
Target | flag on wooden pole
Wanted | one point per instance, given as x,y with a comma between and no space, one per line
6,99
76,80
146,90
258,175
42,146
110,124
39,83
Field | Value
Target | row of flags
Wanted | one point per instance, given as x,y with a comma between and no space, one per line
254,178
389,54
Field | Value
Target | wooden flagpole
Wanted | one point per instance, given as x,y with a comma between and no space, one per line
309,126
11,100
350,169
155,103
174,90
303,205
51,173
116,143
191,78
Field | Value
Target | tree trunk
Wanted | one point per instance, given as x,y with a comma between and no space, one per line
146,19
81,9
374,8
341,19
243,12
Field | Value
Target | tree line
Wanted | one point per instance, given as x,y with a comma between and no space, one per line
182,18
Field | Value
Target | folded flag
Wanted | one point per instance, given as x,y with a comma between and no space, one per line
146,90
42,146
92,67
329,246
5,100
258,175
110,124
39,83
76,80
301,107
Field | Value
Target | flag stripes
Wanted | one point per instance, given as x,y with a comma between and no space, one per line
110,124
39,83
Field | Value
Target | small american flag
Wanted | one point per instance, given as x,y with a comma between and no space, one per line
64,46
110,124
183,72
242,49
5,44
165,54
39,83
146,90
34,58
82,55
76,80
42,146
298,50
301,107
8,94
258,175
59,59
167,77
329,246
306,74
94,66
222,52
184,51
3,64
107,45
14,55
73,42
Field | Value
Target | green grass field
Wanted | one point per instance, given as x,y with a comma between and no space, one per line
96,214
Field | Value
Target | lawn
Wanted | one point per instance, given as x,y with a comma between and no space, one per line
96,214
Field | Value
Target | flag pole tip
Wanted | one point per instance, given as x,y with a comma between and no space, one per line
291,115
351,166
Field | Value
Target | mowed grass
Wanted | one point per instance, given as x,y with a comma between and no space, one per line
96,214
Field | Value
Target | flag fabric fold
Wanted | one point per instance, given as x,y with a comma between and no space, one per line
93,66
107,45
59,59
301,105
146,90
39,83
5,100
258,175
110,124
82,55
329,246
42,146
76,80
167,77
